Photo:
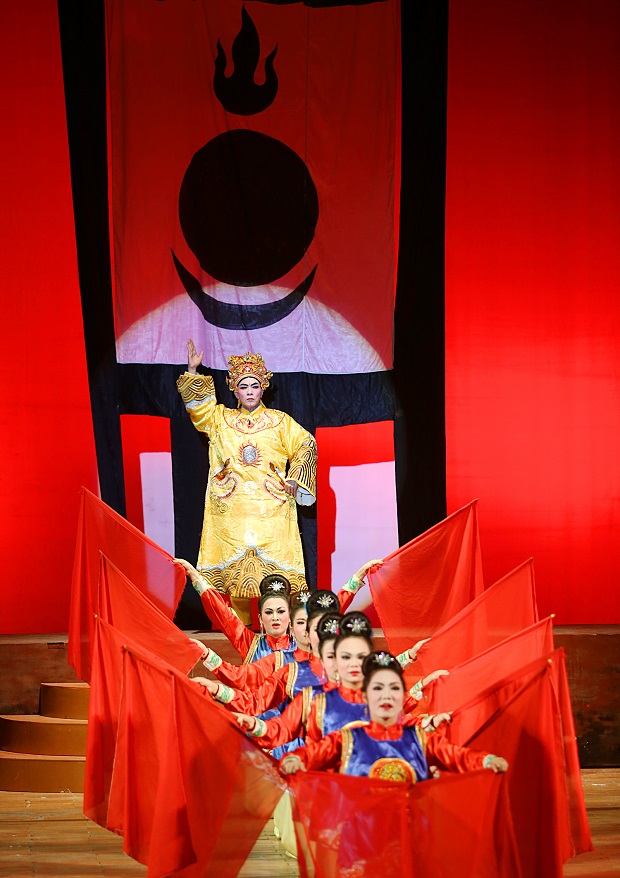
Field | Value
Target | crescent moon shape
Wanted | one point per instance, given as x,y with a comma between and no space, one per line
228,316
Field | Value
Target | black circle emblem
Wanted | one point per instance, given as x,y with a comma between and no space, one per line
248,208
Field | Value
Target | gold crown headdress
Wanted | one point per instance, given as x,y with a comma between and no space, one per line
248,366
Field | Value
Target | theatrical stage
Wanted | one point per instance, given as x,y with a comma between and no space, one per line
48,835
401,219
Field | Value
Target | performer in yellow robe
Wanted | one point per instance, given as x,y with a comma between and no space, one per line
260,459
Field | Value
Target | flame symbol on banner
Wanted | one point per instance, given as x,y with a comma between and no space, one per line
238,93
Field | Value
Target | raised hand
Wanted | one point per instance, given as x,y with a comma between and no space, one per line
415,648
434,675
194,359
189,569
369,565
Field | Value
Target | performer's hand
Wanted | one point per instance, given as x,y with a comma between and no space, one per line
434,675
210,685
434,772
290,486
194,359
369,565
498,765
440,718
192,573
205,649
415,648
291,765
189,567
247,723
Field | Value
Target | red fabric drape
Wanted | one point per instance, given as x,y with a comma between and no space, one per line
338,83
150,568
144,709
230,787
477,674
130,611
105,690
423,584
520,719
102,743
189,790
579,829
382,830
502,610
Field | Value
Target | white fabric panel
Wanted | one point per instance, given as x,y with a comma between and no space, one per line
157,499
366,522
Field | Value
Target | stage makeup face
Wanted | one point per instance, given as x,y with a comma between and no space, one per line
350,655
313,636
328,660
249,393
300,628
385,695
275,617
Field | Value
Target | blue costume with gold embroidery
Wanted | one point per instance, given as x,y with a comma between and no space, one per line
400,759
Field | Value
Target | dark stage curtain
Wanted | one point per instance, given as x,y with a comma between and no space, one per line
315,400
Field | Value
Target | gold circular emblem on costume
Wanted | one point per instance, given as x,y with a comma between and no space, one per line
396,770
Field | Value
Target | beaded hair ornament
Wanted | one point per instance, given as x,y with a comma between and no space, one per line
321,601
276,585
378,661
329,626
248,366
356,624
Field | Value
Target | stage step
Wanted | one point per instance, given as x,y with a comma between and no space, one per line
26,772
46,735
44,753
64,700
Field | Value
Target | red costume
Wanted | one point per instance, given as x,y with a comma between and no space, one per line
282,685
252,676
337,750
244,640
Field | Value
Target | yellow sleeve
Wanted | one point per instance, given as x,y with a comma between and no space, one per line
198,394
301,451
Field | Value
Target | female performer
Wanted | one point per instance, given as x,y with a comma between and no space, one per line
247,644
250,519
311,714
306,672
389,747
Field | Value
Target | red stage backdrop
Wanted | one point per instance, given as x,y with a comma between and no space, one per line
532,313
46,442
254,166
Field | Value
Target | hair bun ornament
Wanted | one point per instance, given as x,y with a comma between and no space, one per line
356,625
322,601
303,597
329,626
275,584
380,660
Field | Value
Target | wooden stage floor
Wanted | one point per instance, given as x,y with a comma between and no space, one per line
47,834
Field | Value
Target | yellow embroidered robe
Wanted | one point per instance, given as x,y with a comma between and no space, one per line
250,523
